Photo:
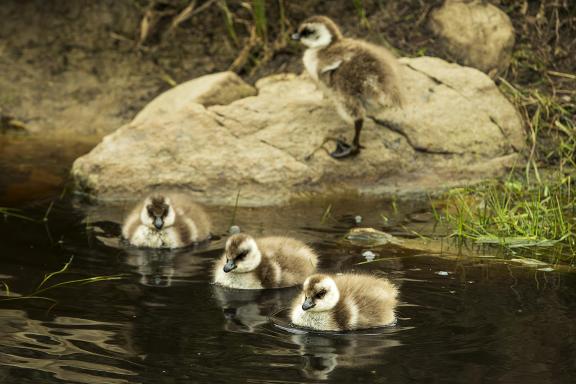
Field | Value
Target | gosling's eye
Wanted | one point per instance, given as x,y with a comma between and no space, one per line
306,32
320,294
241,255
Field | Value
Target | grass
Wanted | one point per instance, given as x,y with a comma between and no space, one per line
551,127
361,12
17,213
260,20
537,209
512,214
47,284
235,210
228,21
327,215
13,212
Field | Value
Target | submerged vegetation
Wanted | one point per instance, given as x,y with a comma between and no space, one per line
47,284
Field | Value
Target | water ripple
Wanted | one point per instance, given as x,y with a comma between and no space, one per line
62,347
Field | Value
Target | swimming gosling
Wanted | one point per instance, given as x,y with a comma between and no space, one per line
344,302
166,221
269,262
355,74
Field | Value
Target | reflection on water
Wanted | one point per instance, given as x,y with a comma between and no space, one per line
158,268
72,350
33,167
323,354
461,319
246,310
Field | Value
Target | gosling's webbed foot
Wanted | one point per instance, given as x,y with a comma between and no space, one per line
343,150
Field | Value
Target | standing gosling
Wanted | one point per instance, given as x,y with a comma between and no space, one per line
269,262
356,75
344,302
166,221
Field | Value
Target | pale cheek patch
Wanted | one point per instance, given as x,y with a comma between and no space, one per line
145,218
170,217
322,38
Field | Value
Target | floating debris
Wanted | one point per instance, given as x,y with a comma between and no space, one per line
369,255
234,229
515,242
442,273
546,269
529,262
370,236
358,219
421,217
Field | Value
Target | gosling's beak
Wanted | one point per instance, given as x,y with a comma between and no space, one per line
296,36
308,303
230,265
158,222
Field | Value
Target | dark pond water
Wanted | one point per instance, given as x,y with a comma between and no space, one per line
486,321
461,319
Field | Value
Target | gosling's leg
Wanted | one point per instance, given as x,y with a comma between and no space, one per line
343,149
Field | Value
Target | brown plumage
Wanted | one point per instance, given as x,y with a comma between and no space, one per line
345,302
166,220
269,262
357,76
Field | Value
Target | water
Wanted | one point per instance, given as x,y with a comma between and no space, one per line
461,319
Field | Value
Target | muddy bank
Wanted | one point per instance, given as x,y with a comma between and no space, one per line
36,168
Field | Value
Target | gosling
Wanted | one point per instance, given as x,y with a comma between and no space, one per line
166,221
344,302
356,75
269,262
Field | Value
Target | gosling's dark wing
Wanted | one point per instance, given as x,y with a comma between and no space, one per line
267,273
342,315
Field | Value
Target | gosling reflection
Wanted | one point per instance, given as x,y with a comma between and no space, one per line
161,268
322,354
246,310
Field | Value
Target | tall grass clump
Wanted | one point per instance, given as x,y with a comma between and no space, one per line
512,214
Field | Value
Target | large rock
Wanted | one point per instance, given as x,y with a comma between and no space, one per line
475,33
456,128
217,88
